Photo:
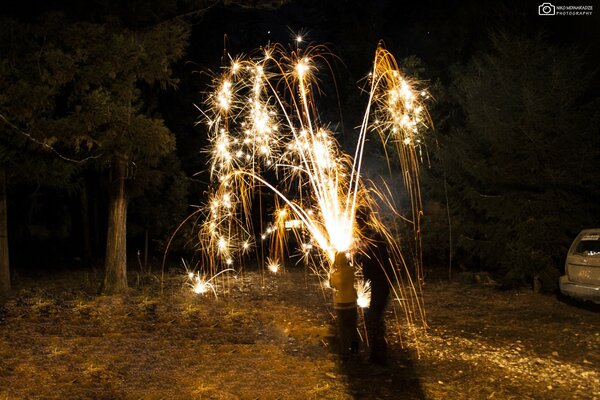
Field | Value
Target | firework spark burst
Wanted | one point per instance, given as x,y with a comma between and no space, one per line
265,133
363,291
202,284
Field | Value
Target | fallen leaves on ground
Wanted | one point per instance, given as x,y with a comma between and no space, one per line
271,337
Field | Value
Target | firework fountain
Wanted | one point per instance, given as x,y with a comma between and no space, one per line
266,134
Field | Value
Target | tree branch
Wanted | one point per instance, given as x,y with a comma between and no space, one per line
46,145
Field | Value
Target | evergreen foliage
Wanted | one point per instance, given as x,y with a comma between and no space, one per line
80,88
521,171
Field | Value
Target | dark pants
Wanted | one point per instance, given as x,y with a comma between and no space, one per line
375,314
346,330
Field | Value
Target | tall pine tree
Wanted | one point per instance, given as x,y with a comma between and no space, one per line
91,77
522,171
27,102
105,109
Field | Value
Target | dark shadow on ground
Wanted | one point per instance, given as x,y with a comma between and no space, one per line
581,304
398,380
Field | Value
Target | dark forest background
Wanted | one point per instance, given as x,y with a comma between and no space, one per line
98,96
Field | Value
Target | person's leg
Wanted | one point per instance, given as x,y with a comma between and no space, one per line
375,320
346,327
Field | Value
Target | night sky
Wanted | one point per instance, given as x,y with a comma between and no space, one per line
439,32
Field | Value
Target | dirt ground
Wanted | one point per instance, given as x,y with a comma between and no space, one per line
59,339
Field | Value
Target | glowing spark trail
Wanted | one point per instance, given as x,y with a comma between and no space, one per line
363,290
265,132
200,284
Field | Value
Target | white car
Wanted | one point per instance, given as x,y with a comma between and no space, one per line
582,267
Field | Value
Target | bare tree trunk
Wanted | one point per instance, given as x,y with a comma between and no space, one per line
4,260
95,226
85,224
115,278
146,251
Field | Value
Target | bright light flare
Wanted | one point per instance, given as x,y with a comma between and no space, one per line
224,95
273,266
202,284
363,291
302,68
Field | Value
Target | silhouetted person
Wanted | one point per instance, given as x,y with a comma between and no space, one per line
375,261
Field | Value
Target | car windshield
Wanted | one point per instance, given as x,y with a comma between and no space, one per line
589,246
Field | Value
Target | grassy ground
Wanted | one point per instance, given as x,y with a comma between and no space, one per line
273,339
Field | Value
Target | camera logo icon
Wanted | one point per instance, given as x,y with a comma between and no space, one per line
546,9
